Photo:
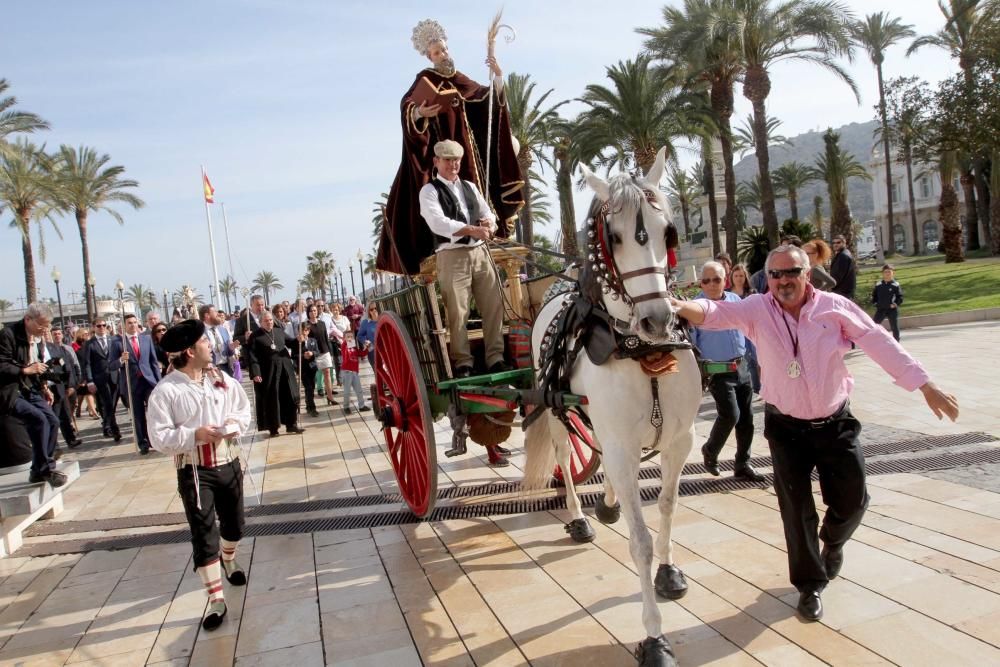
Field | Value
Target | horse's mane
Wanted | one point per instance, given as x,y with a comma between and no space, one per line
627,192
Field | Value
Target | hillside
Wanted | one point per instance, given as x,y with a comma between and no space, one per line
856,138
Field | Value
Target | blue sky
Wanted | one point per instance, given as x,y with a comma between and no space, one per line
293,109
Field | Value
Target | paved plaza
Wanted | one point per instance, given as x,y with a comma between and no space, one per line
920,585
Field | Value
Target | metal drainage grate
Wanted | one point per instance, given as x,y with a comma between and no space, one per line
517,506
455,492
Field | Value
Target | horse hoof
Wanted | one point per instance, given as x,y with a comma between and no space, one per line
580,531
655,652
607,514
670,582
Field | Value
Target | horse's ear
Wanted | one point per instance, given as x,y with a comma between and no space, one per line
655,174
596,183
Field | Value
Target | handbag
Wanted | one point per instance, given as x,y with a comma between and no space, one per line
324,361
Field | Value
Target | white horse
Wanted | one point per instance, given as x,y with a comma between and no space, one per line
626,273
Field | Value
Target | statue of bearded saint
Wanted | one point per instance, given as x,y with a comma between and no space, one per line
465,118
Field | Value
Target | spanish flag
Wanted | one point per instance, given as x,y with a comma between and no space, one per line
209,190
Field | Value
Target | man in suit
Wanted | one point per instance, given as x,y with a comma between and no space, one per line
64,377
24,391
143,374
101,382
222,344
843,268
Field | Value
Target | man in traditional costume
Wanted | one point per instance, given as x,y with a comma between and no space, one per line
463,115
196,413
271,367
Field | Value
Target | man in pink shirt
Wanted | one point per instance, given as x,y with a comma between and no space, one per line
802,335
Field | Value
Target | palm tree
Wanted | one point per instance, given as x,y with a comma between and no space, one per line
875,34
321,263
378,220
529,123
684,190
13,121
816,220
266,281
227,288
691,39
743,140
566,158
951,224
645,111
187,298
905,101
143,297
753,247
835,166
789,178
85,184
27,189
748,194
812,31
313,282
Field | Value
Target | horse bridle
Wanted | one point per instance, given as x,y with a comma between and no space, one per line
602,257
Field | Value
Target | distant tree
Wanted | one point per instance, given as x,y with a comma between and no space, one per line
228,287
684,190
789,178
378,220
144,297
816,219
834,167
753,247
265,281
13,121
743,139
321,265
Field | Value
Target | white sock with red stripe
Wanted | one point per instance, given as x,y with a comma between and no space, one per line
211,577
229,549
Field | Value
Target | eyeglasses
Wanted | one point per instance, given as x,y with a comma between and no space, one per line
716,280
793,272
100,326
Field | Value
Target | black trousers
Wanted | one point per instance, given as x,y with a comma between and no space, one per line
221,496
107,400
893,315
309,383
42,426
63,411
733,394
832,449
141,391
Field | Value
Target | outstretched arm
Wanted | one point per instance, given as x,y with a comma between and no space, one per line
941,404
689,310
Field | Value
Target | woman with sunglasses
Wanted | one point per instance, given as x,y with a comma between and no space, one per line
819,254
366,332
161,357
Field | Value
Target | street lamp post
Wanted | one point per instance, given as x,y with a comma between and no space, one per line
361,271
55,277
343,293
350,268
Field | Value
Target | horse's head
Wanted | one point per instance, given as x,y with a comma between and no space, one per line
627,230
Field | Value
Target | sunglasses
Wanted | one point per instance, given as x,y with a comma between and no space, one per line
716,280
793,272
100,326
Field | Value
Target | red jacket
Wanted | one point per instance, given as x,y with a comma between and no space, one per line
349,357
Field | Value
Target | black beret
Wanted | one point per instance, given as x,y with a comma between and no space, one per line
182,335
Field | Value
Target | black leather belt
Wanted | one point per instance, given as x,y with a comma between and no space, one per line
808,423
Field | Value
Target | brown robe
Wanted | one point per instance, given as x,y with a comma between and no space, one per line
406,239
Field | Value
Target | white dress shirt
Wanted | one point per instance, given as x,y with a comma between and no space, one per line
440,224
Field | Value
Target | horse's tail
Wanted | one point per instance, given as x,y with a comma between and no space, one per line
540,453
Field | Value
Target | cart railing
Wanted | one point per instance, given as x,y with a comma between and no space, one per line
412,304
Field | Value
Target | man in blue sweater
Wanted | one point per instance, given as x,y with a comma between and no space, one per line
723,361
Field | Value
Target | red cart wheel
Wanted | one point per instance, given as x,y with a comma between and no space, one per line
405,414
584,460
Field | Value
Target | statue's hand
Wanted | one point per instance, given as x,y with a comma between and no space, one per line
426,111
494,65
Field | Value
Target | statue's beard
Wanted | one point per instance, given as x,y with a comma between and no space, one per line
445,67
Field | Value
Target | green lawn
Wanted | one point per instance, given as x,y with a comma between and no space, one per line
931,286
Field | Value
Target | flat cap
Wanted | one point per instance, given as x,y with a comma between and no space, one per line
448,149
182,335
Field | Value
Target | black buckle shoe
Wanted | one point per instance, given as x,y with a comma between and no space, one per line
833,559
746,472
810,606
711,462
294,429
500,367
463,372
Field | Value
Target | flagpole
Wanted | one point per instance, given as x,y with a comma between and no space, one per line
229,249
211,238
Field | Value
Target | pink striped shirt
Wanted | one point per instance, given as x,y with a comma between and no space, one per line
828,323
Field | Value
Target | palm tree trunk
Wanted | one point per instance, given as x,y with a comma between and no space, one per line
908,159
983,198
888,160
713,210
995,205
229,305
793,203
721,98
951,226
686,215
81,224
567,212
971,214
525,214
756,88
30,287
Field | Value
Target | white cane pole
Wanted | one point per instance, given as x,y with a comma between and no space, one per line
120,286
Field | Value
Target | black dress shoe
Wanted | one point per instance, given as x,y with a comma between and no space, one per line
73,444
810,606
274,432
746,472
53,477
711,462
833,558
312,413
117,436
294,429
499,367
463,371
143,451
